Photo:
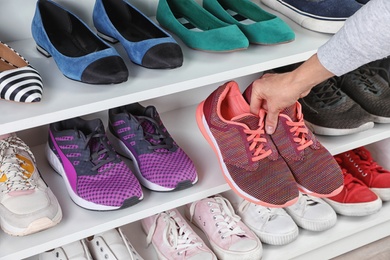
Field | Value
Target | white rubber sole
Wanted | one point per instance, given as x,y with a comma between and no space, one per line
320,130
306,20
355,209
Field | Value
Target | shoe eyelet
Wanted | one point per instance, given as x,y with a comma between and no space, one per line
106,256
216,224
350,159
356,166
364,174
360,170
209,204
347,155
212,210
97,243
214,217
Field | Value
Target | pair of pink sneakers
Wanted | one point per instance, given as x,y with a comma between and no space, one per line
268,170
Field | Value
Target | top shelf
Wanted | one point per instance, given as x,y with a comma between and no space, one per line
64,98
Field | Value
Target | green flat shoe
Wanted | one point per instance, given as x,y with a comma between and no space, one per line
259,26
199,29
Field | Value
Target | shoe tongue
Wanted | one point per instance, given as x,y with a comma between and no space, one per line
250,120
291,112
151,111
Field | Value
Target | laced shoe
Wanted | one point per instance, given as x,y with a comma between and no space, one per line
369,90
174,239
95,176
229,237
362,166
74,251
27,203
356,199
250,162
138,133
315,170
272,225
329,111
312,213
112,244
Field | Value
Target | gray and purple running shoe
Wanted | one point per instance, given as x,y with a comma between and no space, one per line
138,133
95,176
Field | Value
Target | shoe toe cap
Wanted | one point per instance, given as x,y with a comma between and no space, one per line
107,70
163,56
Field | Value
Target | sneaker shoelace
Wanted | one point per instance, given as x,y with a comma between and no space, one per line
265,213
225,218
178,237
101,151
365,163
299,130
128,245
306,201
155,134
327,93
257,141
365,75
15,177
349,179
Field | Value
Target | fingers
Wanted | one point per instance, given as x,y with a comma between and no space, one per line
255,104
271,120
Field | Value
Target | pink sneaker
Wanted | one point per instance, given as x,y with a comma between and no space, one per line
174,239
229,237
249,160
314,168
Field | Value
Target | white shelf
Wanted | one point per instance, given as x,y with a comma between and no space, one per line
64,98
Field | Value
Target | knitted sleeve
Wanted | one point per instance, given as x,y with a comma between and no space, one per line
365,37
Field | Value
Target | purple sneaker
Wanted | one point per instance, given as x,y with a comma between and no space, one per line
95,176
138,133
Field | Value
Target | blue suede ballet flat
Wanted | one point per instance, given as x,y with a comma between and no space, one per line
78,52
145,42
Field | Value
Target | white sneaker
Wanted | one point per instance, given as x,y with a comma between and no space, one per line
312,213
174,239
272,225
229,237
27,204
73,251
112,245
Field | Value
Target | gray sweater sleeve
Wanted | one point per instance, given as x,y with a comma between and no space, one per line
365,37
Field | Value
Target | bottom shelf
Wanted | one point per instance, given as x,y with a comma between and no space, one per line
348,234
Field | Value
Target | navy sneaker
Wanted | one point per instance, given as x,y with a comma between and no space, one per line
326,16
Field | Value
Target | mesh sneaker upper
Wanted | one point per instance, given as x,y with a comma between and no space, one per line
249,160
368,89
327,106
94,170
158,157
314,168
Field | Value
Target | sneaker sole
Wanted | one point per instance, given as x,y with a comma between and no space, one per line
205,130
277,239
307,20
320,130
355,209
122,149
383,193
57,166
33,227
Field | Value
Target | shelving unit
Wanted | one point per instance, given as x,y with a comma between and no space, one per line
64,98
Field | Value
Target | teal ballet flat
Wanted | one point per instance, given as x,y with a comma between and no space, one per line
259,26
199,29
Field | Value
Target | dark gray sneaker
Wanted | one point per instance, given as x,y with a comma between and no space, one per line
329,111
367,88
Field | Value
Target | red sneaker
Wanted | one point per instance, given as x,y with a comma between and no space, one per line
250,162
361,165
356,199
314,168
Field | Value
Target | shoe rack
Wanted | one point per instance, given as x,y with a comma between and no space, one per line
175,93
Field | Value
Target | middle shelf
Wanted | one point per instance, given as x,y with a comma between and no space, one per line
79,223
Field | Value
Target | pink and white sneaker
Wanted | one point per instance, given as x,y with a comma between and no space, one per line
174,239
229,237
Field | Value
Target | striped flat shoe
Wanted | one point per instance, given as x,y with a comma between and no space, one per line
19,81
